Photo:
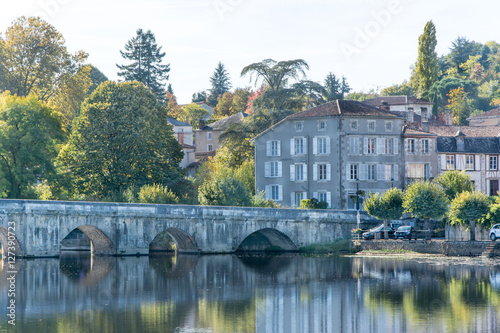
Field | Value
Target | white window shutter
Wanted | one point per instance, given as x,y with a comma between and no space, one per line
268,148
478,162
267,169
305,195
315,171
328,145
280,192
292,147
380,172
292,199
365,146
305,146
396,173
292,172
329,199
347,171
328,172
315,145
268,192
280,169
396,145
279,148
315,195
443,162
304,172
461,162
363,172
380,146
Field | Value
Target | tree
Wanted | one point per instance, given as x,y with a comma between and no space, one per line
469,208
146,66
404,89
174,110
454,182
427,66
121,139
335,88
192,114
29,133
35,60
388,206
220,80
459,105
97,77
200,96
425,200
224,104
276,74
461,50
227,191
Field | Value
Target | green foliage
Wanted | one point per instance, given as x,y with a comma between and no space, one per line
224,192
200,96
34,59
335,88
403,89
41,191
339,246
493,216
220,80
194,113
312,204
97,77
121,139
29,132
259,200
276,74
157,194
388,206
425,200
454,182
427,66
469,208
146,57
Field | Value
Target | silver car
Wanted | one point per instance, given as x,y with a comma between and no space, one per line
495,232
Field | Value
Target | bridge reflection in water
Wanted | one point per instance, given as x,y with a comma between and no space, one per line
251,293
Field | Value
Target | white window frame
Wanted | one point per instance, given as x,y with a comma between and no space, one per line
321,125
274,192
354,145
321,145
371,146
493,162
294,151
389,146
353,125
352,171
410,146
450,162
322,172
299,126
426,146
372,125
388,126
210,147
273,148
470,160
327,196
371,172
210,135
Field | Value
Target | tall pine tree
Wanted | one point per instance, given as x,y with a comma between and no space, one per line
146,67
427,66
220,80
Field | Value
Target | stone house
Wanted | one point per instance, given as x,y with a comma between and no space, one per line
420,156
490,118
184,134
330,152
407,106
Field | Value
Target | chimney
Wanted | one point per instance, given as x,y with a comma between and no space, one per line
201,124
447,117
410,115
423,115
385,106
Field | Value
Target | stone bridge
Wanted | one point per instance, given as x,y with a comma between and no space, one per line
37,228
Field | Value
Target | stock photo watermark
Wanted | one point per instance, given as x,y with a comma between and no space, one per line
380,19
50,8
9,251
222,7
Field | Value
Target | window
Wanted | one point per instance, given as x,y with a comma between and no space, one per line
450,162
469,162
354,146
299,144
371,125
273,148
299,172
371,171
389,146
410,148
299,196
370,146
425,146
322,172
352,171
321,125
418,171
210,147
388,126
209,135
298,126
322,197
273,169
274,192
354,201
322,146
354,125
493,162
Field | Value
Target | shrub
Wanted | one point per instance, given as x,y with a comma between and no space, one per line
156,194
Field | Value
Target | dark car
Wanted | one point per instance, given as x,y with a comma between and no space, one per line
370,234
405,232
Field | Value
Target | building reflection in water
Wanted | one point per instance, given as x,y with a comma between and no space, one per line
252,293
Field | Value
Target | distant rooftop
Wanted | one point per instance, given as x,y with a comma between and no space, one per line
342,107
394,100
224,122
176,122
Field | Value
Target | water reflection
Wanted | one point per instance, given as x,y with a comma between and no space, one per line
264,293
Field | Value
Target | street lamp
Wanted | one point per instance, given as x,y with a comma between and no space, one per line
358,218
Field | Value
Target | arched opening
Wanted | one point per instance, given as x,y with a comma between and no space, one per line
172,265
173,240
9,243
267,240
84,268
87,238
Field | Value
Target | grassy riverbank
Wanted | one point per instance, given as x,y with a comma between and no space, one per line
340,246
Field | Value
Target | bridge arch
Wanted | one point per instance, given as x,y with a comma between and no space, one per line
267,239
165,240
99,244
5,238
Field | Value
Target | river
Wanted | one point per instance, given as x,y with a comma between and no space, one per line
261,293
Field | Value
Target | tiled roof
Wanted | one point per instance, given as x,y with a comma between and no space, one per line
489,114
342,107
394,100
410,131
224,122
471,145
176,122
468,131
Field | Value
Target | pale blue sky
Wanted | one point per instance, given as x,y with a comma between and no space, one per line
371,42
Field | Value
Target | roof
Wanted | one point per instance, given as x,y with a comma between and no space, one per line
415,131
495,113
224,122
467,131
176,122
342,107
394,100
471,145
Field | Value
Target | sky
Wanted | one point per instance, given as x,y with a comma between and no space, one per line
372,43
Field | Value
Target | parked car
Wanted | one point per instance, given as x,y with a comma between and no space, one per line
495,232
370,234
405,232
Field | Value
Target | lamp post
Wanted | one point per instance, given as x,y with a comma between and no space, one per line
358,218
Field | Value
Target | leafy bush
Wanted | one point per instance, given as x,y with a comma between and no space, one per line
313,204
157,194
224,192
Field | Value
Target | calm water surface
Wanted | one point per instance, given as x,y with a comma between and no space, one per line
229,293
